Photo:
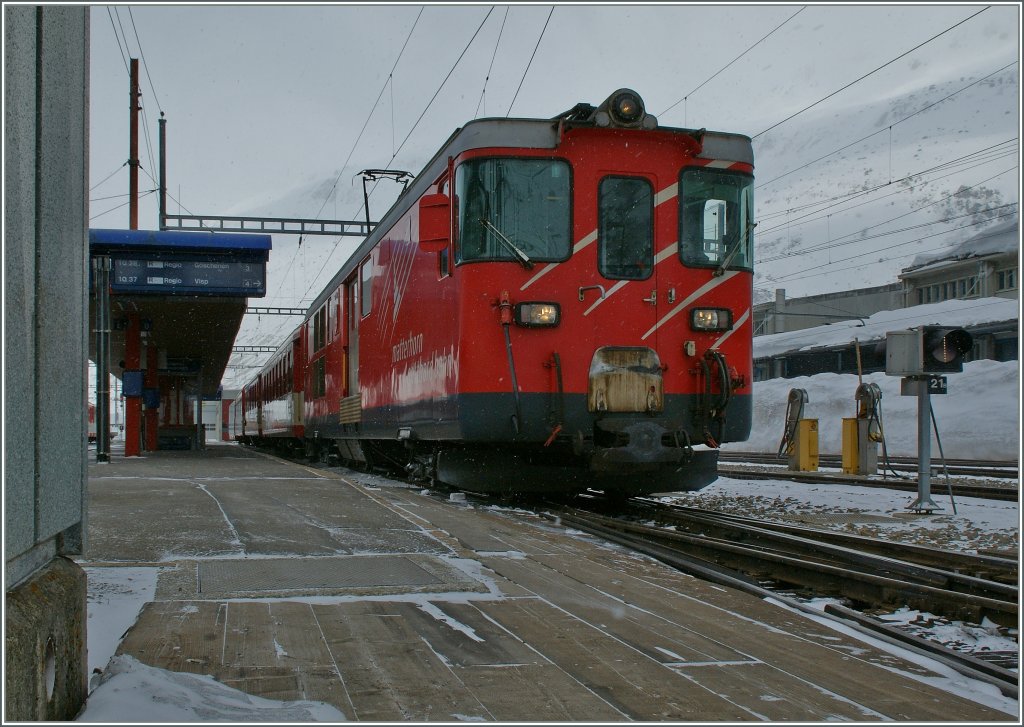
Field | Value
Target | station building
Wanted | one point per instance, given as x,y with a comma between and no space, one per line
844,332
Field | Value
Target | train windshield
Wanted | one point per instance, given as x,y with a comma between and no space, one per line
716,218
513,209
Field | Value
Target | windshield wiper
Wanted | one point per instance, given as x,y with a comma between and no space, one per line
720,270
520,256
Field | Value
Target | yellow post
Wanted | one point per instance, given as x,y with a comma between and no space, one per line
804,457
851,448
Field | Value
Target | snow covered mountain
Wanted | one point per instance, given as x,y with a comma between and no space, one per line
848,198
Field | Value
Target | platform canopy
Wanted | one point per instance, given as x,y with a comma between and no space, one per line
188,292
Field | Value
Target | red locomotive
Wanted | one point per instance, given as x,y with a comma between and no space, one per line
551,305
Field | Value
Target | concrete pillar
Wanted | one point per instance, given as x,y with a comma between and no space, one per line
45,667
46,183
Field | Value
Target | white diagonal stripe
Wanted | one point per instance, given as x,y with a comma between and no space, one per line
659,258
551,266
708,286
735,326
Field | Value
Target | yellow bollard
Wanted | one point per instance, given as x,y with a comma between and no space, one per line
804,456
850,450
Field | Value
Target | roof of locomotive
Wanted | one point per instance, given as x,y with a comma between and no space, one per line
517,133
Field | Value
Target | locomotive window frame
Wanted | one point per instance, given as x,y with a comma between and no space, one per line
610,237
493,250
698,252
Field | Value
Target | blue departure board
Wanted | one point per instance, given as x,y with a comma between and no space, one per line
210,275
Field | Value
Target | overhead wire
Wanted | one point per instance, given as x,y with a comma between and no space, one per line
831,202
142,106
125,204
834,244
145,65
869,73
124,58
438,91
487,78
883,130
844,241
723,68
530,62
123,46
797,275
481,101
418,120
107,178
355,145
988,154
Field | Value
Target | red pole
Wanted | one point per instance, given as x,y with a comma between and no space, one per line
151,415
133,404
133,157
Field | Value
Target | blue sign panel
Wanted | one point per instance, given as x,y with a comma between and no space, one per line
131,383
214,275
151,398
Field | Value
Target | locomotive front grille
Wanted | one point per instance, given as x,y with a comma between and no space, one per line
625,379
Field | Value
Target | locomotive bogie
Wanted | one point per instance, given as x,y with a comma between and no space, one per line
551,305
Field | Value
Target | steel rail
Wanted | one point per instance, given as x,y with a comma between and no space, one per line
961,490
987,566
965,467
1005,681
858,576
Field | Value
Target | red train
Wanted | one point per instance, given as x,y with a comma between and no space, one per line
551,305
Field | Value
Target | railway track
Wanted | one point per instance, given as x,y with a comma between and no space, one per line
772,560
955,467
938,486
762,466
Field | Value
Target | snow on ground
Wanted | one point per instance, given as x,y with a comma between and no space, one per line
122,689
131,691
978,419
976,523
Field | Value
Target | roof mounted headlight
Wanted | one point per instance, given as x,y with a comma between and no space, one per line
625,109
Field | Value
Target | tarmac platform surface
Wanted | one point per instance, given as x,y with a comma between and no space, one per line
393,603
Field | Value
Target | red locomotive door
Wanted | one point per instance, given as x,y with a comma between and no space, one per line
626,254
626,369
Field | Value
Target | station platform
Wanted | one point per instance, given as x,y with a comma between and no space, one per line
395,603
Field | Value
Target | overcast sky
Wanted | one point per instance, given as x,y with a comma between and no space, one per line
266,105
263,99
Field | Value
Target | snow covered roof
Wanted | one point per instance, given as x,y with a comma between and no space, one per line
1003,237
960,313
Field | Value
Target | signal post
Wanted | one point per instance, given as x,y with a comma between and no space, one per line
922,355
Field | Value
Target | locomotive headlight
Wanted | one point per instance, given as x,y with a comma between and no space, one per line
538,315
627,108
711,319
